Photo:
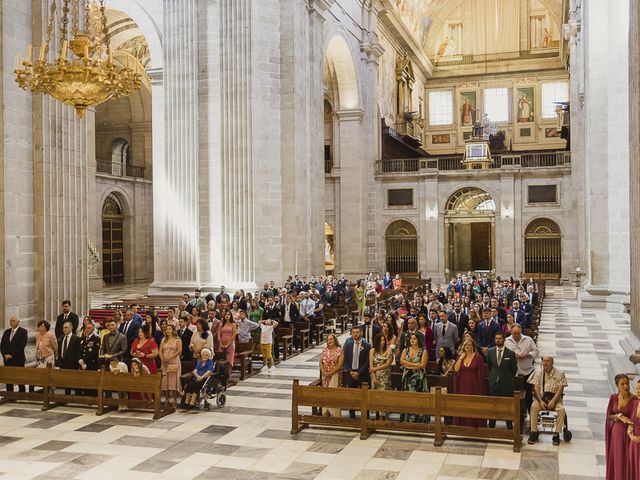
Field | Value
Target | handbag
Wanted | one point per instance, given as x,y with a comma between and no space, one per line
546,396
172,368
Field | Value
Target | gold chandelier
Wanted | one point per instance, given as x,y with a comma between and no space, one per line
83,73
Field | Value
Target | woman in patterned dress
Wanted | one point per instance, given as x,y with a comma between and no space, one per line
331,361
414,377
380,359
170,350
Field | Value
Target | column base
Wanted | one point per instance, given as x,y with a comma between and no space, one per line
180,288
627,362
600,297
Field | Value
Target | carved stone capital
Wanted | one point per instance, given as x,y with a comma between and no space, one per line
371,48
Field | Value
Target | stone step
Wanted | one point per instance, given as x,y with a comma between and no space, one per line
620,364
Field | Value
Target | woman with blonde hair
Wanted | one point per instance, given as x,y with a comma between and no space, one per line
331,361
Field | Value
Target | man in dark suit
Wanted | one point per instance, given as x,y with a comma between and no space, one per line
487,330
69,348
412,328
222,295
369,329
129,328
503,368
459,318
185,335
356,361
12,345
89,349
66,316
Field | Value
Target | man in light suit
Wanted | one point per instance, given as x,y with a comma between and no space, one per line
445,334
503,368
12,345
356,361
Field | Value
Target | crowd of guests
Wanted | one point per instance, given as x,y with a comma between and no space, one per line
622,431
470,328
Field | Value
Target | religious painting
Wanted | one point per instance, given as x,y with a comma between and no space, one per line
525,132
525,105
466,135
497,141
441,138
416,15
551,133
468,108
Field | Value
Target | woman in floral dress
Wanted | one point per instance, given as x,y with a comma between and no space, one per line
414,377
331,361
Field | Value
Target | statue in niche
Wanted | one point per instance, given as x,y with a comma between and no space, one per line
524,109
444,47
546,39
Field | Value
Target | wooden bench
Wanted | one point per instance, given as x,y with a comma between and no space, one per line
93,384
285,334
319,327
302,332
436,405
244,351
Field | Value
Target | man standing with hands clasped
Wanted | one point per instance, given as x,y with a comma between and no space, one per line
356,361
503,368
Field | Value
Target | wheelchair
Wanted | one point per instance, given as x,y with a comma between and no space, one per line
213,388
547,420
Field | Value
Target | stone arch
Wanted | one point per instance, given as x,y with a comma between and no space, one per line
147,25
447,196
401,247
543,247
341,66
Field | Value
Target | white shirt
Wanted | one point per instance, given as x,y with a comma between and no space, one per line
266,334
121,368
527,346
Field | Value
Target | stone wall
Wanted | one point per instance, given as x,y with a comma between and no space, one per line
634,162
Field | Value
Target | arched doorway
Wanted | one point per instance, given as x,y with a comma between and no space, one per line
543,247
119,157
401,241
470,231
329,250
112,240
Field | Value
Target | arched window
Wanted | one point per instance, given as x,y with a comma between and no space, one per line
112,240
470,200
401,247
119,156
543,247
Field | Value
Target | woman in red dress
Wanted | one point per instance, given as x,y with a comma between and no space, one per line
632,462
619,414
470,379
145,349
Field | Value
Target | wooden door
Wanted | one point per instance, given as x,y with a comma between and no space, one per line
481,246
112,251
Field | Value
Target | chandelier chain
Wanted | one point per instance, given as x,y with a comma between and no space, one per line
50,28
87,16
64,28
75,16
105,30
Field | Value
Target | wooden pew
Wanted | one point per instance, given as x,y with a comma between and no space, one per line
285,334
243,362
94,384
437,405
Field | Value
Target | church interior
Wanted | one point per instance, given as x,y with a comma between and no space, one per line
156,148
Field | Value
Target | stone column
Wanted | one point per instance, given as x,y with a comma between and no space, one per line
176,169
634,161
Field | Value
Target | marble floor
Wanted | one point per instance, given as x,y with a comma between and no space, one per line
249,438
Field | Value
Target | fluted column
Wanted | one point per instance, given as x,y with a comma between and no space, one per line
634,161
175,160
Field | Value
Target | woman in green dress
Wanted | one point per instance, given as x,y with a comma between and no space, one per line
361,298
414,377
380,359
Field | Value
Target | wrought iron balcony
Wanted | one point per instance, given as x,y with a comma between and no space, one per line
118,169
454,162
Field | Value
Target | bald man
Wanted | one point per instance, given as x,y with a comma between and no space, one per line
548,384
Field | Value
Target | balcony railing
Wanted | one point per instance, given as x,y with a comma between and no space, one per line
118,169
454,162
328,165
454,60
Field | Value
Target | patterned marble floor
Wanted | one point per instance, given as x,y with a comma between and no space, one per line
249,438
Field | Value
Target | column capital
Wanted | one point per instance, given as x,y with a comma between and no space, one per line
320,6
156,75
371,48
356,114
